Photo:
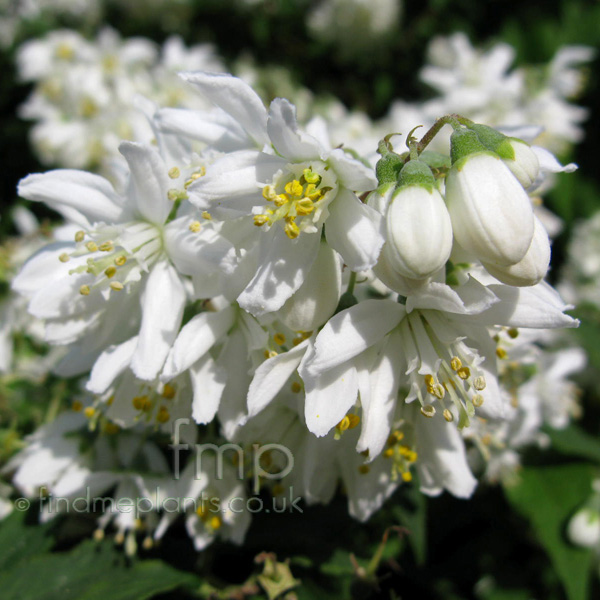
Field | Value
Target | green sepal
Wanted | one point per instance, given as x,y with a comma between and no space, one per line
388,167
495,141
464,142
416,172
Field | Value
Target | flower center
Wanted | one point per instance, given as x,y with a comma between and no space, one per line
295,204
117,255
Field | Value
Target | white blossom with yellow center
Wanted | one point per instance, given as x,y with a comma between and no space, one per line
285,184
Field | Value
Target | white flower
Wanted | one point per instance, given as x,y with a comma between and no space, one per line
288,196
525,165
88,291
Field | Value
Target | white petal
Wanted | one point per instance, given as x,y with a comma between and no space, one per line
354,230
442,458
80,197
203,253
329,397
162,310
236,98
208,383
289,141
149,183
352,331
384,384
352,173
110,364
539,307
549,163
215,128
284,265
271,376
195,339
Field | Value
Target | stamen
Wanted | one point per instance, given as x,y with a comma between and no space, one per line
79,236
174,173
92,246
428,410
117,286
84,290
64,257
110,271
448,415
279,339
195,226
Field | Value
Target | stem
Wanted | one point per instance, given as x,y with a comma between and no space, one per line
351,283
454,120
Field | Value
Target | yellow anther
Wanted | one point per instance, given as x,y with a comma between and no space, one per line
407,476
269,193
174,173
464,372
92,246
110,271
76,406
291,229
479,383
477,400
296,387
294,188
64,257
344,424
456,363
139,402
260,220
397,436
120,260
98,535
514,402
429,380
388,452
279,339
297,341
206,215
364,469
89,412
501,353
110,401
107,246
148,543
169,391
195,226
215,523
79,236
438,391
428,410
486,439
119,538
513,333
270,354
117,286
304,206
201,510
354,420
84,290
448,415
162,416
310,176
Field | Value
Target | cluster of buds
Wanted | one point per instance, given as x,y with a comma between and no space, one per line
473,204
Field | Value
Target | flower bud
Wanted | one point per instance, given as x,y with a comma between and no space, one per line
419,232
525,165
532,268
515,153
491,213
318,297
584,528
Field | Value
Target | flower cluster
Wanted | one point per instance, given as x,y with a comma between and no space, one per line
250,273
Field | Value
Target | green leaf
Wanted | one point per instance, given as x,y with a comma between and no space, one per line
91,571
19,542
547,497
573,441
